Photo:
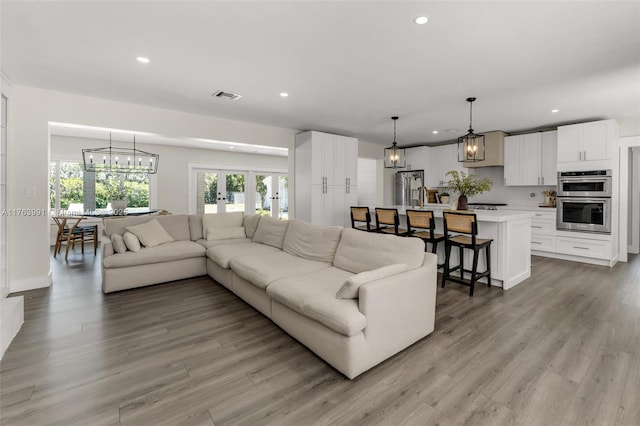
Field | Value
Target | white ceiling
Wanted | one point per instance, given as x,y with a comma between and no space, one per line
348,66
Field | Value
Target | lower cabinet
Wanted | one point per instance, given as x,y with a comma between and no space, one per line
577,246
331,205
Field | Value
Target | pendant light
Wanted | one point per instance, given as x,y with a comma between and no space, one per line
394,156
120,160
471,146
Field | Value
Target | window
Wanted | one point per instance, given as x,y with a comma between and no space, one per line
74,190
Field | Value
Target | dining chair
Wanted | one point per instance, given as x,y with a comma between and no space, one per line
70,232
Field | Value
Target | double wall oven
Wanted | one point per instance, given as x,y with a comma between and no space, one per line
584,201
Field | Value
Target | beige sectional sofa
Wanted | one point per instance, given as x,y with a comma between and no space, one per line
352,297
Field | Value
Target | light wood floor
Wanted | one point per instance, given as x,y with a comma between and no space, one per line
561,348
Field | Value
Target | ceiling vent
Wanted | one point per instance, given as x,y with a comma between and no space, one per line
226,95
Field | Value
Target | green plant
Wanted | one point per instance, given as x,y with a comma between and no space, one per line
468,185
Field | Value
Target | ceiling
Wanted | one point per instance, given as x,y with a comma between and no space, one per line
348,66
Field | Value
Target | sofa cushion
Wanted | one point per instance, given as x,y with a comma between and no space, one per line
363,251
313,295
195,227
210,243
150,233
176,225
250,223
118,243
351,287
176,250
271,231
263,269
223,253
131,241
221,220
225,233
312,242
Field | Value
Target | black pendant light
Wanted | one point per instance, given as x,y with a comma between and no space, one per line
471,146
394,156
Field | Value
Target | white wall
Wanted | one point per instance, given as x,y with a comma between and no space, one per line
512,195
172,178
28,145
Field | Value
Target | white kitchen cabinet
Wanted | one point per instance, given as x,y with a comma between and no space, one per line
325,177
584,247
527,158
591,141
417,158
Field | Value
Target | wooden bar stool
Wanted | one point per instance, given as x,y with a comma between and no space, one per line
424,222
464,223
361,214
390,218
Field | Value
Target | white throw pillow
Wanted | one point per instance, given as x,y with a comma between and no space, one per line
225,233
150,233
131,241
118,243
221,220
271,232
351,287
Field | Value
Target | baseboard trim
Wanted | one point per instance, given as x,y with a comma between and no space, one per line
30,283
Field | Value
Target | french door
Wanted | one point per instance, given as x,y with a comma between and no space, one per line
272,194
219,191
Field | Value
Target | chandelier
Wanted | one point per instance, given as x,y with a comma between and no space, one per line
120,160
394,155
471,146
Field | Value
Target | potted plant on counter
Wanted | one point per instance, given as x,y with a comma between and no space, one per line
466,186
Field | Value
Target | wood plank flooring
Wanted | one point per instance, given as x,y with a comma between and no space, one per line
563,348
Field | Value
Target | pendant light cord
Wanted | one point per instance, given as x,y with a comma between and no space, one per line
470,116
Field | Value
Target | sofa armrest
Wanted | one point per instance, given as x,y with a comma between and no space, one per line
400,309
107,246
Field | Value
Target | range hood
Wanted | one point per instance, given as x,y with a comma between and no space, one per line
493,151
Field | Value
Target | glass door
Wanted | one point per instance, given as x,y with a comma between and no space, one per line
272,195
220,191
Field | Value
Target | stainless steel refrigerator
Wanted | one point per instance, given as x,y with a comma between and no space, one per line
407,188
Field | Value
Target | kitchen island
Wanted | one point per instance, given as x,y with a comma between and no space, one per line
511,247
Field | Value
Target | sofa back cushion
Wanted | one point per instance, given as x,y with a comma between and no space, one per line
312,242
195,227
361,251
221,220
250,223
176,225
271,232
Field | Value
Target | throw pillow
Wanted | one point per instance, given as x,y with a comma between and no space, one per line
150,233
118,243
250,223
221,220
131,241
351,287
271,232
225,233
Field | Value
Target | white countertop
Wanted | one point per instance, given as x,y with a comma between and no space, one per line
482,215
527,208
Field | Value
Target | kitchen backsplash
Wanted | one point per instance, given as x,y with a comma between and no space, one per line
512,195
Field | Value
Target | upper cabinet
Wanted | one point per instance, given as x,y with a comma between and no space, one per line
530,159
493,150
436,161
587,142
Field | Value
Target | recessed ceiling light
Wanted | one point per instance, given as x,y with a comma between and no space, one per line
284,95
232,147
421,20
555,110
435,132
142,60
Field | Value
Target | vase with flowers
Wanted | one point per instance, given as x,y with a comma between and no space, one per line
466,186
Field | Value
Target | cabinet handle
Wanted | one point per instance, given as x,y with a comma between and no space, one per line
538,214
538,180
584,156
536,242
542,179
581,248
537,227
580,155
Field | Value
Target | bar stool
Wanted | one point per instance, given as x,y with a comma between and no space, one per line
424,220
390,218
464,223
361,214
